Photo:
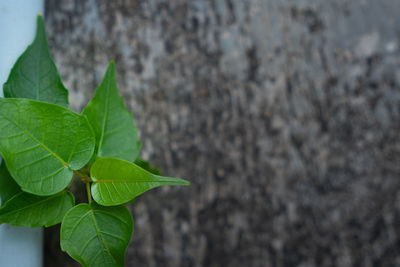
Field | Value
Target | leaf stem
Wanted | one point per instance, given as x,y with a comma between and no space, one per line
84,177
88,193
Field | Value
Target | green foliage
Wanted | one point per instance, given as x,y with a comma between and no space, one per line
44,145
8,187
25,209
118,181
95,235
35,75
147,166
115,131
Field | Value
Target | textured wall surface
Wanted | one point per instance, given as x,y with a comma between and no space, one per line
285,115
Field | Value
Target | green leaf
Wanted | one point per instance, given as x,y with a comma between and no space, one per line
43,143
144,164
35,75
118,181
95,235
25,209
8,187
115,130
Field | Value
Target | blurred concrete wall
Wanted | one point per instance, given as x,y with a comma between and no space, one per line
285,115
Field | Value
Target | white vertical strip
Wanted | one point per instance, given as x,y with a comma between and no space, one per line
19,246
17,30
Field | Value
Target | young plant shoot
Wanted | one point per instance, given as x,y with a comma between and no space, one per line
44,145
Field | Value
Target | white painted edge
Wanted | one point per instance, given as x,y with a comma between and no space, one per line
19,246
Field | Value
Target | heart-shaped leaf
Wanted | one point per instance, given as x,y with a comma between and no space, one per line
115,130
8,187
25,209
95,235
43,143
35,75
118,181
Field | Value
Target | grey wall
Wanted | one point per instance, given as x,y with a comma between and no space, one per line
285,115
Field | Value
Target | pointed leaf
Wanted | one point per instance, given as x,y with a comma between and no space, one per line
43,143
115,130
29,210
95,235
118,181
144,164
8,187
35,75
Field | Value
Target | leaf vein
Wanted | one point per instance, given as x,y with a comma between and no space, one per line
34,139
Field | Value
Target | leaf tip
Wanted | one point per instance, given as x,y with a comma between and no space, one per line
40,28
39,19
110,70
180,181
111,66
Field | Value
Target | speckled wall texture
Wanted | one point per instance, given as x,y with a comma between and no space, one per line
285,115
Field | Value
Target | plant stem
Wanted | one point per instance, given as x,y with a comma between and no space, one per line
88,193
84,177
